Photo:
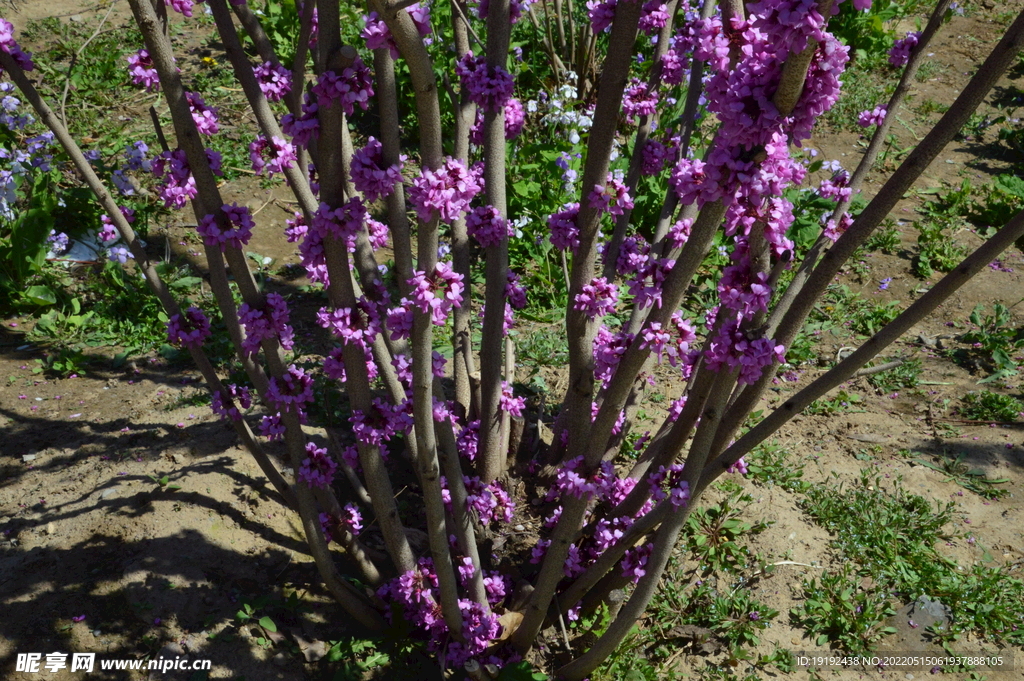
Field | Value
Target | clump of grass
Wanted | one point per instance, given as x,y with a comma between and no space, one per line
990,406
936,250
713,534
841,403
890,535
836,609
885,239
902,377
869,319
769,465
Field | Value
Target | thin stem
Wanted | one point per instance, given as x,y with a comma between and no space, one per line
492,346
579,331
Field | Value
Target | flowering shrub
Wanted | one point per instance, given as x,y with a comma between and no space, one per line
630,226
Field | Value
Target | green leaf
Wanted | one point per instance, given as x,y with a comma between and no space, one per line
40,295
268,624
186,282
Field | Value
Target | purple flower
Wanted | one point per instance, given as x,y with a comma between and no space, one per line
613,197
601,14
318,468
564,232
515,119
223,405
899,55
354,85
274,156
487,226
275,80
488,87
119,254
269,323
874,117
239,225
142,71
291,389
205,117
597,299
446,191
189,331
369,174
884,284
438,293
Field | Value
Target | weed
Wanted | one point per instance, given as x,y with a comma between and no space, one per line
990,406
165,485
936,250
871,318
769,465
888,532
930,106
992,342
713,532
970,479
885,239
902,377
544,346
65,362
839,404
837,610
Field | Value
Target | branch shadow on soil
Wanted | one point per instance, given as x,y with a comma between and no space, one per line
134,594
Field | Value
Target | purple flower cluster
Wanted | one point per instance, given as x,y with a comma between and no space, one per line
515,119
343,222
490,88
317,469
350,520
732,348
875,116
273,157
639,100
11,47
416,595
369,174
236,235
602,14
739,467
597,299
436,294
377,34
307,126
489,501
268,323
655,157
181,6
142,71
354,85
564,232
653,17
508,402
177,184
223,403
382,421
275,80
292,389
446,191
515,9
190,330
205,117
487,226
899,55
359,326
613,197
